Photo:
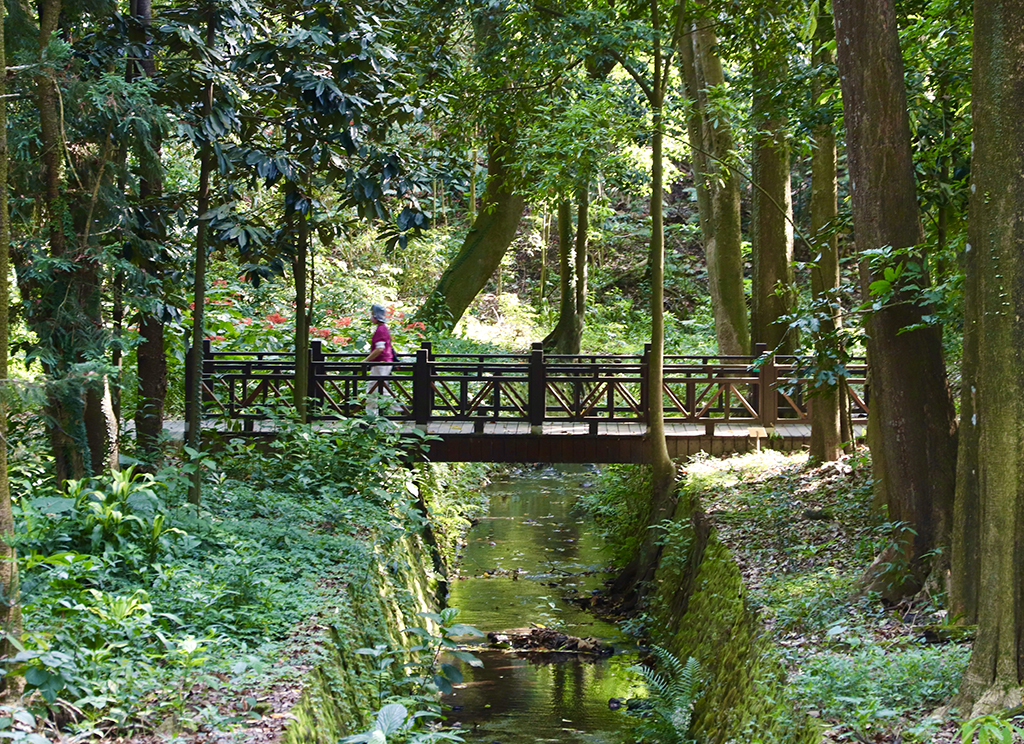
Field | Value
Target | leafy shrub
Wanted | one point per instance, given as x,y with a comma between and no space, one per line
619,506
672,687
121,517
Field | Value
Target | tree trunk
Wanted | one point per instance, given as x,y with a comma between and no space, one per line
988,550
582,246
151,361
56,320
206,163
299,225
485,244
721,202
10,608
545,239
631,581
565,337
913,439
826,437
771,223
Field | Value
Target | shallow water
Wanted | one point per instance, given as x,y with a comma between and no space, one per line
519,563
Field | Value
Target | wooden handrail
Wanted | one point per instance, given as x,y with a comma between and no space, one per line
535,387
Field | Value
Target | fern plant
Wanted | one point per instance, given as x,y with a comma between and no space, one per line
673,686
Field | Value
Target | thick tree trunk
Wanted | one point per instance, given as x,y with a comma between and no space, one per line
65,403
10,608
206,163
702,71
771,222
913,440
988,550
151,362
485,244
826,436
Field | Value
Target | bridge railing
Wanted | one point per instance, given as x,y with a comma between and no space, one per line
529,388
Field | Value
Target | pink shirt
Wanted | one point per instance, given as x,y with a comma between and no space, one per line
382,340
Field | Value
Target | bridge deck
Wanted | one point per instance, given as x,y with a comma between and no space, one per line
459,441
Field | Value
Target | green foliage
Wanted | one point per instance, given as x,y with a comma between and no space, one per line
990,729
424,672
395,724
17,724
431,643
619,507
906,276
121,519
138,603
870,687
673,686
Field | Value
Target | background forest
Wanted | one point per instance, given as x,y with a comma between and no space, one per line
821,180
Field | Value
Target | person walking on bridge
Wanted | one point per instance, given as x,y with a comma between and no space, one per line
382,355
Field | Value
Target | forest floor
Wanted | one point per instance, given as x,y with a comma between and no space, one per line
803,535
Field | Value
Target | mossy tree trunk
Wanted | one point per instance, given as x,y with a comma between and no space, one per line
718,186
913,433
988,547
10,609
771,221
826,436
501,208
565,336
485,245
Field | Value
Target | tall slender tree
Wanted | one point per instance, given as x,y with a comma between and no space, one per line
206,167
718,179
771,220
826,428
151,359
10,611
663,471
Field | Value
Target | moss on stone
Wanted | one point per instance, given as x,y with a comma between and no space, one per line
701,610
340,695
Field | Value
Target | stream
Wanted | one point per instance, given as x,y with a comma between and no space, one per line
532,550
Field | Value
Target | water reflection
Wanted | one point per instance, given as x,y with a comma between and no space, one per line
520,561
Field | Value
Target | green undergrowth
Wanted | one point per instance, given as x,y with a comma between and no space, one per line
619,508
759,582
144,614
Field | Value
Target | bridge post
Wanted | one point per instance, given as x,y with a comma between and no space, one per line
421,390
189,382
207,368
645,383
536,389
759,349
314,385
768,408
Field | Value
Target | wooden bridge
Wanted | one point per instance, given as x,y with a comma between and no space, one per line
534,407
